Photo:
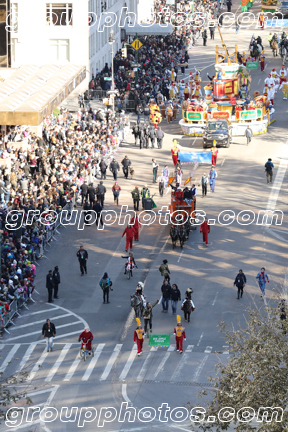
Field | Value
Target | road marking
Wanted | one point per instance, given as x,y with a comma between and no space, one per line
200,339
37,365
9,357
223,162
128,363
37,332
43,311
180,366
214,301
180,256
161,365
278,180
171,348
111,362
26,356
39,322
124,393
189,348
58,362
208,350
144,368
92,362
67,334
73,368
199,369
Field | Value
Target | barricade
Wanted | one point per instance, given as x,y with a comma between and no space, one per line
8,318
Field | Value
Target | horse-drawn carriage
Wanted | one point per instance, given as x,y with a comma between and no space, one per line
182,216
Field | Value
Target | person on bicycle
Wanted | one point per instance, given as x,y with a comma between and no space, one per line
86,337
130,262
148,315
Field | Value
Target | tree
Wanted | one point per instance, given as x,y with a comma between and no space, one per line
256,375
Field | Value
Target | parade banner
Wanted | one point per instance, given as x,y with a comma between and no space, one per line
200,157
159,340
252,65
221,115
248,115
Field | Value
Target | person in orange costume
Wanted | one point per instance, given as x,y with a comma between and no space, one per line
136,224
175,152
86,337
205,229
261,20
138,337
129,231
179,333
214,153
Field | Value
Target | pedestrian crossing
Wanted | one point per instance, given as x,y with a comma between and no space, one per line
108,364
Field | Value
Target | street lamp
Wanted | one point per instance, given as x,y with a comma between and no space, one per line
111,41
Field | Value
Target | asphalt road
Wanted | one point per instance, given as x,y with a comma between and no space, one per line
116,374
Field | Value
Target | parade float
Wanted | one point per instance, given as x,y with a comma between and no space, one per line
227,97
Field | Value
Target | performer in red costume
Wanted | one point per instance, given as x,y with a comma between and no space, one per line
129,231
86,337
205,229
138,337
179,333
136,224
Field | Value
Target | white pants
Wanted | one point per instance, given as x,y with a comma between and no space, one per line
49,342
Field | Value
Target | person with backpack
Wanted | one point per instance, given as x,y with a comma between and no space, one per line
106,284
269,172
187,307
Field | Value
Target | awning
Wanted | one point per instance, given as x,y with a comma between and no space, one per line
31,93
148,30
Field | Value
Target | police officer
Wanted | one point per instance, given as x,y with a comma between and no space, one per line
126,163
114,167
100,191
50,285
152,134
159,136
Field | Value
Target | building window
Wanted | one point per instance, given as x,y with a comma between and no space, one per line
59,14
59,49
14,17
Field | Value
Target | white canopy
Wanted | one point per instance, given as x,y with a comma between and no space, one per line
148,30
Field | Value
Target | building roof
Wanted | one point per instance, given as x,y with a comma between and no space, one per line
31,93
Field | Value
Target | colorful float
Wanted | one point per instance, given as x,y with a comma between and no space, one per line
227,97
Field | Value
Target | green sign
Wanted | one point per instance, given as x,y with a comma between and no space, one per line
107,78
193,116
252,65
248,115
159,340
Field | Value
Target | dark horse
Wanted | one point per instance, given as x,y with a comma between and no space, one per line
137,304
174,235
182,235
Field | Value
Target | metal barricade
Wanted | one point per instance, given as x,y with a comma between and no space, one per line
8,318
98,94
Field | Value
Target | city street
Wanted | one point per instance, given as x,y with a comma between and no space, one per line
116,374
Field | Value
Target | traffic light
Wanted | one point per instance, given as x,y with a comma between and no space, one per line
124,52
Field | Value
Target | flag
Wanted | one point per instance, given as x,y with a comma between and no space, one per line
187,181
171,179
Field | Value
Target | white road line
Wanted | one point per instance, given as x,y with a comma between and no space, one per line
37,365
124,393
214,301
180,256
43,311
189,348
200,339
199,369
39,322
58,362
73,368
68,334
223,162
128,364
37,332
111,362
144,368
278,180
161,365
92,362
9,357
26,356
208,350
180,366
171,348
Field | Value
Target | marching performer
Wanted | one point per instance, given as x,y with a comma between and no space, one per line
261,20
138,337
271,94
282,74
136,224
181,89
284,88
186,92
198,92
262,61
265,90
269,80
173,75
175,152
214,153
179,333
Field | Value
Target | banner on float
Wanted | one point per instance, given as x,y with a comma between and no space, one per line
199,157
159,341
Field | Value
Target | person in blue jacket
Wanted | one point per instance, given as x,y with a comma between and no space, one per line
105,283
262,279
213,175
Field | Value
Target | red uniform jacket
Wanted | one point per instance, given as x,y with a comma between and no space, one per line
129,233
138,334
183,334
205,227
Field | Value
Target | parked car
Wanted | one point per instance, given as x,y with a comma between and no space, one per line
219,131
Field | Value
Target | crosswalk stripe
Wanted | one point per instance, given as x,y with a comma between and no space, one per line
161,365
93,362
39,322
9,358
180,366
58,362
44,311
208,350
189,348
37,332
144,367
73,368
111,362
37,365
26,356
128,363
171,348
